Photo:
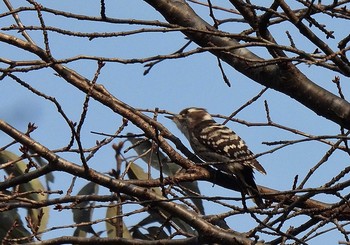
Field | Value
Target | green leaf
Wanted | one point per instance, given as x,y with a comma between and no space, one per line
155,158
112,225
8,219
81,213
38,216
49,177
136,172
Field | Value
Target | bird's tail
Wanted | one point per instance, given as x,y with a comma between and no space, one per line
249,187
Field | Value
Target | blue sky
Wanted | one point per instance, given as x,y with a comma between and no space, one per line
171,85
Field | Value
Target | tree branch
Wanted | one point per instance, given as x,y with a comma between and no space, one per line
283,77
207,231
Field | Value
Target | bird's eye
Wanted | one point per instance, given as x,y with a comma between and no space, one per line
184,112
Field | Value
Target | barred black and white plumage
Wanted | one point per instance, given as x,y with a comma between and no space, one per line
214,142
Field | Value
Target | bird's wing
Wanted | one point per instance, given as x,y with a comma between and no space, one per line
223,141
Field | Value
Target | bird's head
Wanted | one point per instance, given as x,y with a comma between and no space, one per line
189,118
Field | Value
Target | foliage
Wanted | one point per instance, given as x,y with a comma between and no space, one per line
61,182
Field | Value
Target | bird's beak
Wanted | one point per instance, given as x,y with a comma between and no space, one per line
170,117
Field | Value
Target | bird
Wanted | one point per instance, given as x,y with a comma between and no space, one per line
214,142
